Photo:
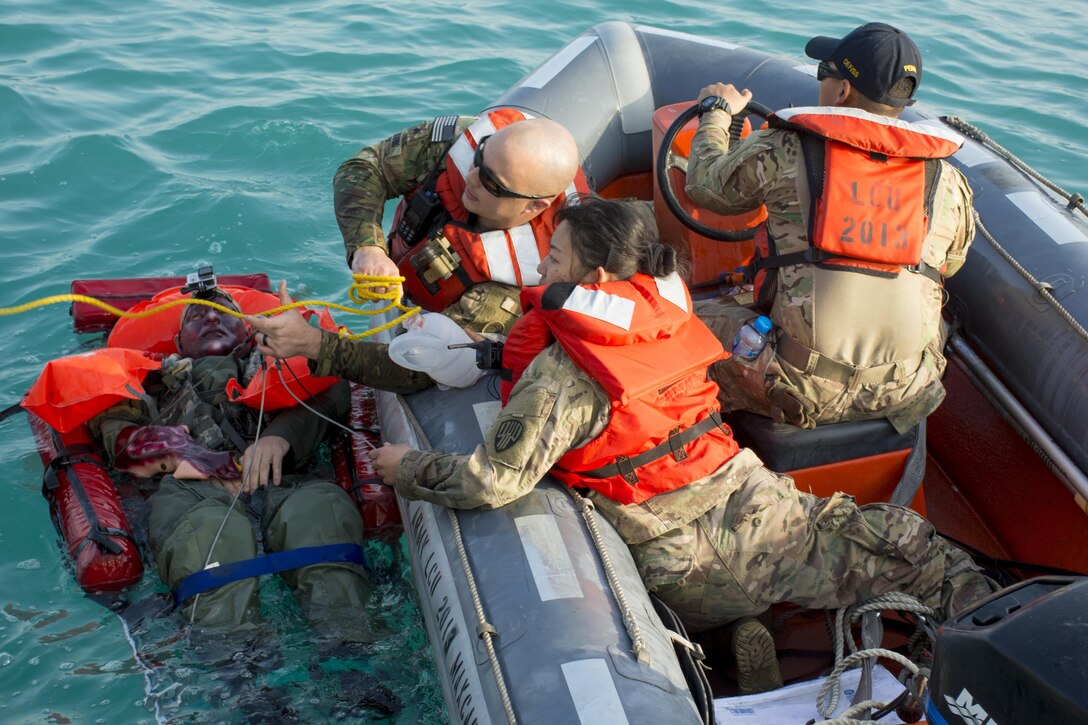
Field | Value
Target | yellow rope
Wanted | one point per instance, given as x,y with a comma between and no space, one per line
362,290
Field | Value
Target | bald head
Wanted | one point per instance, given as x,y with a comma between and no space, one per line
537,156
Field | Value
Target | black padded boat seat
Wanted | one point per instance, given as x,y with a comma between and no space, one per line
786,448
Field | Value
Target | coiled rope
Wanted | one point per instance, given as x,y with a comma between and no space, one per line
827,699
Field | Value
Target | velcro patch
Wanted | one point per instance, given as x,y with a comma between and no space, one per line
395,142
508,434
444,128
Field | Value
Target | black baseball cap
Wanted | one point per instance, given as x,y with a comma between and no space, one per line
873,58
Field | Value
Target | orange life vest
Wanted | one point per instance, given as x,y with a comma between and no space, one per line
156,333
640,341
871,180
71,390
437,276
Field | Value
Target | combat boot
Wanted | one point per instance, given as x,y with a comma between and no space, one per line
757,663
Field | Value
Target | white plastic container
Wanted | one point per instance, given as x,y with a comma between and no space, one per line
424,347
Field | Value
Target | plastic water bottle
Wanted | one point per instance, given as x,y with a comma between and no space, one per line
425,347
750,340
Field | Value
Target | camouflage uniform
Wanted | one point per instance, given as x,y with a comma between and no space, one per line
872,314
363,184
728,545
387,170
186,515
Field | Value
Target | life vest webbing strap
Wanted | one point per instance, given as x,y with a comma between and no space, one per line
231,432
813,150
626,466
215,577
821,366
358,495
933,175
152,406
812,255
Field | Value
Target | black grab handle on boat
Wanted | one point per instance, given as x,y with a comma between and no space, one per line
664,180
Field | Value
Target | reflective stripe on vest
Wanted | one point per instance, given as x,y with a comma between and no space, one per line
600,305
870,132
512,255
467,257
640,342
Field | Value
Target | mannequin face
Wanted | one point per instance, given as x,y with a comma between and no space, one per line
207,331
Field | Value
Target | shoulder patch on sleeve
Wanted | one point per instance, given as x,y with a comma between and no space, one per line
521,430
444,129
395,143
507,433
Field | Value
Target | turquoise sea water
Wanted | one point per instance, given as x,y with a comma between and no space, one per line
144,139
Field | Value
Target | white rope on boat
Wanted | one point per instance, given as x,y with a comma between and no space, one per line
484,629
638,646
890,600
849,715
827,700
828,697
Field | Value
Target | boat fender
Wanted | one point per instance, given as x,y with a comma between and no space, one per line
216,576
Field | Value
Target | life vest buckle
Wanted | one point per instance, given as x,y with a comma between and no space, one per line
626,469
676,445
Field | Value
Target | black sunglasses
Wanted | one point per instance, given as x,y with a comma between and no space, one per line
826,70
492,185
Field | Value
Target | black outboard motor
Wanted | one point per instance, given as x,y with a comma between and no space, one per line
1020,656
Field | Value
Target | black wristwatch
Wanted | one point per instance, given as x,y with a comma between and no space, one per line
714,102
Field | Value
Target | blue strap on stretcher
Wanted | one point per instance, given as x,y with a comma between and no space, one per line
217,576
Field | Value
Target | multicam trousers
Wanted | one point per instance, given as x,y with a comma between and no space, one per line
186,516
769,543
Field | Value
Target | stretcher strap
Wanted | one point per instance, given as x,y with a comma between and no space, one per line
217,576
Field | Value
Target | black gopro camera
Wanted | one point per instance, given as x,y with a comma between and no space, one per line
201,283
